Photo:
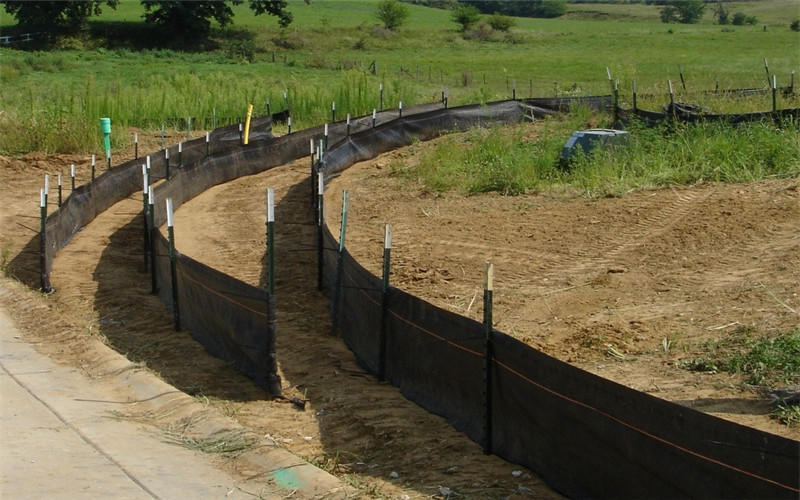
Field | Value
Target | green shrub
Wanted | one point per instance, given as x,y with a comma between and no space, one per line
466,16
740,19
392,14
499,22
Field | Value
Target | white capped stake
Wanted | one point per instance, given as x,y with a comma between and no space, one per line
170,222
312,145
333,106
59,179
401,105
387,238
670,86
180,147
46,184
348,118
151,199
380,87
208,136
608,72
326,130
72,170
148,162
774,82
374,113
145,182
321,183
166,153
41,198
108,154
289,121
94,160
488,276
270,205
136,138
320,150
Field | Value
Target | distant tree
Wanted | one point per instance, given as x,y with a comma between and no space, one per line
551,8
528,8
193,18
466,16
740,19
795,26
683,11
55,16
275,8
392,14
721,14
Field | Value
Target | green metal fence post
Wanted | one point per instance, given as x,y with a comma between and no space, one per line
387,251
320,220
337,297
173,269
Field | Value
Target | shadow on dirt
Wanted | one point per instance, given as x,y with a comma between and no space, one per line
733,406
138,325
25,266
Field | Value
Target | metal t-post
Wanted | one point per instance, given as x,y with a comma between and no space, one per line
487,355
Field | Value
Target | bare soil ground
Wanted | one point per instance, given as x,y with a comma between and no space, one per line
578,278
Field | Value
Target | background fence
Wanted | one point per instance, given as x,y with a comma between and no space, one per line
585,435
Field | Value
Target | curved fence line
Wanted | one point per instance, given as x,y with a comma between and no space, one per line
585,435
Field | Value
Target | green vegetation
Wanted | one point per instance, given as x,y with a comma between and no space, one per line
524,158
499,22
392,14
741,19
767,361
63,16
683,11
787,414
466,16
183,19
51,100
762,360
528,8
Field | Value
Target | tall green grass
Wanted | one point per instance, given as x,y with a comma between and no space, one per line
525,158
52,100
64,117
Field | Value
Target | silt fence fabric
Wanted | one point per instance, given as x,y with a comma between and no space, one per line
585,435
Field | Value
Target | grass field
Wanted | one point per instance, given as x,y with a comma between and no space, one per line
326,54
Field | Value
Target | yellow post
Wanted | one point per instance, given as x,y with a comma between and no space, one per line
247,124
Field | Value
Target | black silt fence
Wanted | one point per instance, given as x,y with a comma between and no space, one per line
627,116
112,186
229,317
446,379
585,435
592,437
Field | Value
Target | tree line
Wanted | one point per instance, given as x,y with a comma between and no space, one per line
180,17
